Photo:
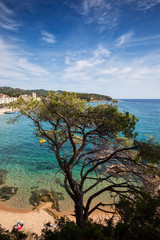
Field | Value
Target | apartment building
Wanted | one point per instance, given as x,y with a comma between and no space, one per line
4,99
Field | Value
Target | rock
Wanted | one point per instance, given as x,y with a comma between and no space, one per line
3,175
43,195
6,192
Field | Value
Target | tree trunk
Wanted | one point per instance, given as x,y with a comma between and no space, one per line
79,211
85,216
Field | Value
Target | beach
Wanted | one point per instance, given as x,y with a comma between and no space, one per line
4,109
34,220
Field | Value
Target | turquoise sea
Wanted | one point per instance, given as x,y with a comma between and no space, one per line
27,161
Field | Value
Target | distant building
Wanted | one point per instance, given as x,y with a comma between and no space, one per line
25,97
13,99
4,99
34,95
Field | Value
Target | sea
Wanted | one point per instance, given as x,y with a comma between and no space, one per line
31,165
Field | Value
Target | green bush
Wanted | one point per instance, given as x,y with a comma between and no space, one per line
13,235
139,220
68,230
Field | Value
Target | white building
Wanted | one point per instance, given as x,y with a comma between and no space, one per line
4,99
34,95
25,97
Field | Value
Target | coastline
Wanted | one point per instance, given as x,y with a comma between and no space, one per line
91,101
4,109
34,220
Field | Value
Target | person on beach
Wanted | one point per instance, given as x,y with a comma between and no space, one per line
49,225
19,225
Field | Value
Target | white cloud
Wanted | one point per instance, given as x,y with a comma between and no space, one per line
5,9
7,20
83,64
101,51
124,38
97,73
16,67
126,70
129,40
101,12
106,13
67,60
94,5
48,37
111,71
73,56
80,67
144,4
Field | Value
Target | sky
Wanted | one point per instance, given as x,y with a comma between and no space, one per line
109,47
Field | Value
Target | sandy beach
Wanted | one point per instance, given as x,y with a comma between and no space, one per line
4,109
34,220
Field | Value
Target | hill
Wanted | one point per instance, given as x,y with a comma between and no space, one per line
16,92
93,97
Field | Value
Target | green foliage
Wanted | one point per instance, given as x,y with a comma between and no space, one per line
16,92
93,97
68,230
139,220
111,121
50,213
54,205
150,151
12,120
66,106
13,235
43,195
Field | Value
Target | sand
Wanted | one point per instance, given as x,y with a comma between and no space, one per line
34,220
4,109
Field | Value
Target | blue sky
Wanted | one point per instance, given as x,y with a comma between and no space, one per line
110,47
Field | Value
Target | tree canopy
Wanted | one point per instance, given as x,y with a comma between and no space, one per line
101,142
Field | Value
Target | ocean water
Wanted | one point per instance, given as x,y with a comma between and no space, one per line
32,165
148,113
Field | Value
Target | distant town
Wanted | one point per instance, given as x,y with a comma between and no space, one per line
5,99
9,95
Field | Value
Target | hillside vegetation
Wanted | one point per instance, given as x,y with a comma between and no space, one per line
93,97
16,92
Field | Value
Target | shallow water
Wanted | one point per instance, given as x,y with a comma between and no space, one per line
27,161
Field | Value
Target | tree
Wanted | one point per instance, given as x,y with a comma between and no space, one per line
138,220
99,140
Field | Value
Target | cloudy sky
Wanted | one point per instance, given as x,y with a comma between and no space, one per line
111,47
